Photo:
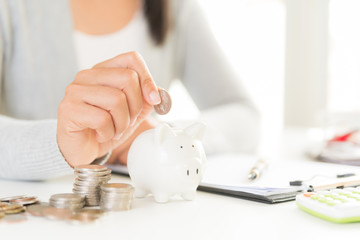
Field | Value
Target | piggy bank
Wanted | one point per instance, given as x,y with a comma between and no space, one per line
165,162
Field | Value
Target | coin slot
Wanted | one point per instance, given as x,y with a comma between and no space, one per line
187,172
197,171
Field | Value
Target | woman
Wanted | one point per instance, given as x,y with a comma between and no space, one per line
107,103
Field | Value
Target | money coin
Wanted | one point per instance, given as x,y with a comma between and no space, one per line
91,168
116,196
7,199
57,213
83,175
117,187
67,200
165,105
13,209
3,204
37,209
88,179
97,212
67,197
25,200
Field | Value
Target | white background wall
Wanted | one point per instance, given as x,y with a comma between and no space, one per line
300,59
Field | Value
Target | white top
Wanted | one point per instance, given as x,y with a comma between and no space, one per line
92,49
39,57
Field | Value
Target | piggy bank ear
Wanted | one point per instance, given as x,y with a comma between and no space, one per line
196,130
163,132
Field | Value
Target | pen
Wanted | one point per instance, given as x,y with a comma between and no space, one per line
257,169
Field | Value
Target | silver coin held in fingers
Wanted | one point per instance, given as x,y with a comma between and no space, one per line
165,104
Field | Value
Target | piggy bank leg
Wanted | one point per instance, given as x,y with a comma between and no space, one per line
140,193
188,195
161,197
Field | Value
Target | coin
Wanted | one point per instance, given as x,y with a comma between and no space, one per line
25,200
116,196
88,180
83,217
37,209
67,200
2,214
117,187
97,212
91,168
57,213
7,199
165,104
13,209
3,204
66,197
9,206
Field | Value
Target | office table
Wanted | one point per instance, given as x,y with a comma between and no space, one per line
209,216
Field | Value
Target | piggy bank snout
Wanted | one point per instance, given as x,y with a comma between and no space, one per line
193,171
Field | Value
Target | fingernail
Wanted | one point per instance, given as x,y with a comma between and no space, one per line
117,137
155,97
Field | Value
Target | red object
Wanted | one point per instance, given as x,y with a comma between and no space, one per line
342,138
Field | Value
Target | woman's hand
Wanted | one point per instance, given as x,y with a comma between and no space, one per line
120,154
103,106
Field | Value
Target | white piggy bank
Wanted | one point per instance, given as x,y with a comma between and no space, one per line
165,162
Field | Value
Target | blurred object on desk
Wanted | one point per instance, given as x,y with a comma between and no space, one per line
340,141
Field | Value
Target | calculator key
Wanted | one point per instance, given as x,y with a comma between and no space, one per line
340,205
315,197
309,194
348,205
350,200
350,189
332,203
323,192
337,191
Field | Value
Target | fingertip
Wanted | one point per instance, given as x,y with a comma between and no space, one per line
154,98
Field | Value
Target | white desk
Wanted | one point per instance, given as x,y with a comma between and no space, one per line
209,216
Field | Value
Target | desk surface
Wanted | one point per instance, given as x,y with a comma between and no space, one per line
209,216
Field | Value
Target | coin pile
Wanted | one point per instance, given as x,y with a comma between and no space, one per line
7,208
165,105
21,200
88,180
71,201
11,206
116,196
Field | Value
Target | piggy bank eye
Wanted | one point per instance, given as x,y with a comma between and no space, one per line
181,146
193,145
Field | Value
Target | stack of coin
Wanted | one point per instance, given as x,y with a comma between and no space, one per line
11,208
88,181
67,200
116,196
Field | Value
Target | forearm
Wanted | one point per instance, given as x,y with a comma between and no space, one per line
29,150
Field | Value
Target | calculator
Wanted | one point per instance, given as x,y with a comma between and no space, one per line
337,205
